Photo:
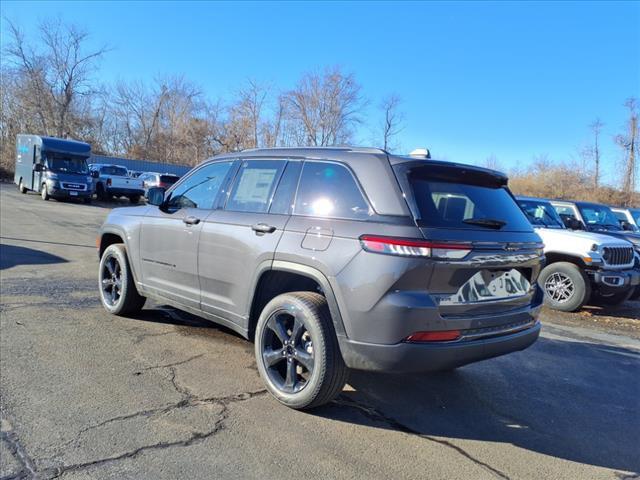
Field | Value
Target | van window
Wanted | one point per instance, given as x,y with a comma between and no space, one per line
255,185
455,197
329,190
200,189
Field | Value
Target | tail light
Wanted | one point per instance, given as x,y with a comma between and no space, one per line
405,247
441,336
108,182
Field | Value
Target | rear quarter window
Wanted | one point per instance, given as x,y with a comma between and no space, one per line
329,190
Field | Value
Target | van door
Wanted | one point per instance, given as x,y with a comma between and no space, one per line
169,236
239,241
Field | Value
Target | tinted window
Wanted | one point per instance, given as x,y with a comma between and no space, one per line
329,190
466,201
283,198
565,211
169,179
115,171
254,186
200,189
541,214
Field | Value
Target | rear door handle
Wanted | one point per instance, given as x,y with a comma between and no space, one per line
262,228
191,220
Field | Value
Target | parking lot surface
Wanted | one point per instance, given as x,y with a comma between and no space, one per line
166,395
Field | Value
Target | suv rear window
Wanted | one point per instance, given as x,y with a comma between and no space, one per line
453,197
170,179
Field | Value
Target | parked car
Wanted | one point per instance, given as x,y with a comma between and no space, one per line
333,259
114,181
53,167
595,217
580,264
629,218
151,179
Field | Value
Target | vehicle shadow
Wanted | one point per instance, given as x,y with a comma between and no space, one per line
575,401
188,325
13,255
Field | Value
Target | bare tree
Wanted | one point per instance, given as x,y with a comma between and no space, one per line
392,120
326,106
58,75
492,162
596,128
628,142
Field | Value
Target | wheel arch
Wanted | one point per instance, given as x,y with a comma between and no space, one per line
110,235
555,257
283,277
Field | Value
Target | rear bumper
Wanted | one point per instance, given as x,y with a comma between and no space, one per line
425,357
125,192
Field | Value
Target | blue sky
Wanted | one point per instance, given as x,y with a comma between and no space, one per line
512,80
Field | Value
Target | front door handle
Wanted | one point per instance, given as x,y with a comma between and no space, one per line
262,228
191,220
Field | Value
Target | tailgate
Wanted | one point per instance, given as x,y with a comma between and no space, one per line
494,277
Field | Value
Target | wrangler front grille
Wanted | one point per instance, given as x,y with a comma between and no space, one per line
618,255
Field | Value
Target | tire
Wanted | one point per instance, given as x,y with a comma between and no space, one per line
615,299
134,199
44,193
575,291
314,341
100,191
118,292
87,201
21,187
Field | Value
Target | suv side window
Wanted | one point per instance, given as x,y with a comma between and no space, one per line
254,186
329,190
200,189
283,198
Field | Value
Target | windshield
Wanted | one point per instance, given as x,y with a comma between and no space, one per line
63,164
113,170
450,197
599,217
541,214
635,213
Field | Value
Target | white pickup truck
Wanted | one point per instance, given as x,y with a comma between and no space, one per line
114,181
580,265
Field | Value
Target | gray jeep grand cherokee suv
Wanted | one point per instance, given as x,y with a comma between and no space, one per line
334,258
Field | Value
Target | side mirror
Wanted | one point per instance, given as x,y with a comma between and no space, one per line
95,174
155,196
575,224
626,226
38,167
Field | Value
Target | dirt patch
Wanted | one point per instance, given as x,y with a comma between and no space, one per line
624,319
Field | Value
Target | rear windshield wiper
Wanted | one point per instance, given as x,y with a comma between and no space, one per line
486,222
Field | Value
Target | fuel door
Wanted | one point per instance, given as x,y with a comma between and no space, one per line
317,238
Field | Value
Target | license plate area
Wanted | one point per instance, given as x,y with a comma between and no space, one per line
73,194
490,285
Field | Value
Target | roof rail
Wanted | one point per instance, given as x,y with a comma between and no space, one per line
341,148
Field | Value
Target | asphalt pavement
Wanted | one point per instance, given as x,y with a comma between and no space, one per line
166,395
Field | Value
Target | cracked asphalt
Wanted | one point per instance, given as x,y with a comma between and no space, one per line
166,395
